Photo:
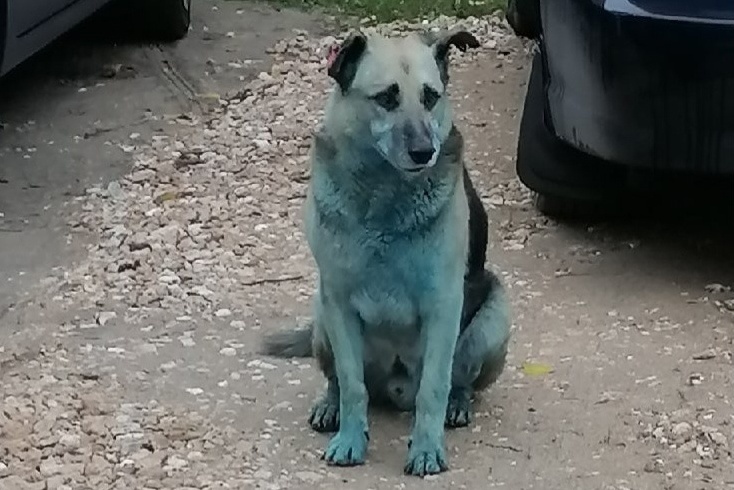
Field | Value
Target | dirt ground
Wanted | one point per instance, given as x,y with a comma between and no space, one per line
620,368
77,102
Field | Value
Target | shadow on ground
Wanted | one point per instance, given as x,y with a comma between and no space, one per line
681,231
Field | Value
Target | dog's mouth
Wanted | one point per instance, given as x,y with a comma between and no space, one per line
414,170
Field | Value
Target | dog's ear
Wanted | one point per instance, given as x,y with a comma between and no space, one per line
344,67
442,43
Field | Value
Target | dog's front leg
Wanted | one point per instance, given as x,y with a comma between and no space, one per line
344,330
440,328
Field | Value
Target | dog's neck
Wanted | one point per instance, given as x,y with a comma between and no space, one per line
372,192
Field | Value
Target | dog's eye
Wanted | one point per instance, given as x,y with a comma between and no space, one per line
388,99
429,97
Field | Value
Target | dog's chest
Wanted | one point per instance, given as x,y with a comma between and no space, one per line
386,298
387,252
383,281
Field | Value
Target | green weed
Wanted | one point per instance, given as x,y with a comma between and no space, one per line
389,10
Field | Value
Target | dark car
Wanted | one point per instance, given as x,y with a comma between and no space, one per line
623,87
26,26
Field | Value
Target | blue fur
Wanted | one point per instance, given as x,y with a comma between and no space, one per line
402,280
405,312
391,252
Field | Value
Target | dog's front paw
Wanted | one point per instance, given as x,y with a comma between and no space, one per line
458,412
325,415
347,448
426,458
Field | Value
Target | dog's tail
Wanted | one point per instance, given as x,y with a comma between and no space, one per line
290,343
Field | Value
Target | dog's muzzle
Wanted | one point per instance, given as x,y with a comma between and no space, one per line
420,144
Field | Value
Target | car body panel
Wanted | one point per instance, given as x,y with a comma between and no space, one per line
706,11
28,14
33,24
646,83
3,32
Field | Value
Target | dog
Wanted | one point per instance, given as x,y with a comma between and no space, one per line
405,312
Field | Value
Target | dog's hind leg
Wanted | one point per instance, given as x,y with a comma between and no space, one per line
481,349
307,342
325,411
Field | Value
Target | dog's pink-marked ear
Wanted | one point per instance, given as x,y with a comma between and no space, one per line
343,67
441,44
331,55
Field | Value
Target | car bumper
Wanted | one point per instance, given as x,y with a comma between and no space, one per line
642,86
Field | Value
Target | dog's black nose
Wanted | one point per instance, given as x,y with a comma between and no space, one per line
421,157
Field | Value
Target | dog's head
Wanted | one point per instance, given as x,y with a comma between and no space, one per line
391,95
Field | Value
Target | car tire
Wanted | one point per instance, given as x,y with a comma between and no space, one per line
567,183
165,20
524,17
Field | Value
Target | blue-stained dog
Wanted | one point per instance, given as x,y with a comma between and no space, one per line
405,312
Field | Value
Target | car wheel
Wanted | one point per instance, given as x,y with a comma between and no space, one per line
524,17
165,20
567,182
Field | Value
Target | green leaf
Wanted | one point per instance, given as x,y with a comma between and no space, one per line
536,368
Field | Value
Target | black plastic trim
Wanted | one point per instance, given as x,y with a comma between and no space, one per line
3,29
47,18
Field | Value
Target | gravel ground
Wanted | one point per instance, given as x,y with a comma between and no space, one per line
620,370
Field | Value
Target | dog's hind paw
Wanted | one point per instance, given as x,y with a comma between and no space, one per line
325,415
458,412
347,448
428,459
